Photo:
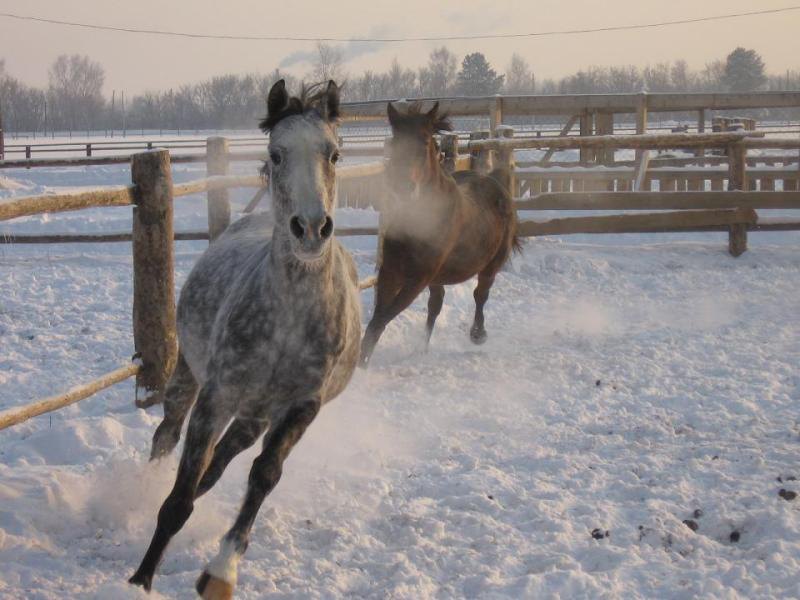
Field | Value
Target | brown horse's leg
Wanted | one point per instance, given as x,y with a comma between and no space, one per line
208,419
241,434
384,315
264,476
435,301
178,398
386,290
477,332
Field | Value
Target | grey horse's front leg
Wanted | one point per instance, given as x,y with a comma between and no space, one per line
206,424
219,577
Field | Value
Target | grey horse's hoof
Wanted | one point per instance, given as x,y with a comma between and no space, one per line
213,588
477,336
164,440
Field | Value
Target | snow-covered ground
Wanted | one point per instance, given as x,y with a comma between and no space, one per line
629,384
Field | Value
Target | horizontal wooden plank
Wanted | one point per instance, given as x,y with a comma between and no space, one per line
637,142
106,238
14,416
31,205
641,223
658,200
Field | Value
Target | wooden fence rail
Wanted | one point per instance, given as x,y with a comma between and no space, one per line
14,416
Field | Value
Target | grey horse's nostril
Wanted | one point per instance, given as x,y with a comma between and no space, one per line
296,227
327,228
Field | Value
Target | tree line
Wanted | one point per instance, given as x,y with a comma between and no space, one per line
74,99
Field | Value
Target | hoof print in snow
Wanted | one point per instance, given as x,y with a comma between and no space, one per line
599,534
598,383
790,478
735,536
697,513
691,524
787,495
490,497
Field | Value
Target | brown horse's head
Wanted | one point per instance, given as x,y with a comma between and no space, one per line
413,153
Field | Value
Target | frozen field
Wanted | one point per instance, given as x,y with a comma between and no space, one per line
629,383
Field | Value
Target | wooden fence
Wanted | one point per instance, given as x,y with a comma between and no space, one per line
683,208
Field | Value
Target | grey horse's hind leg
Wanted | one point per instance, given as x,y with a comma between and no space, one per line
178,399
435,301
241,434
208,420
264,476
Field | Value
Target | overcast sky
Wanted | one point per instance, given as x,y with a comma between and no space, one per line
136,62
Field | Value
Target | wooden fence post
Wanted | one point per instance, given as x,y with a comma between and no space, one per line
505,159
737,180
587,128
605,126
496,114
154,329
449,147
641,118
219,204
480,160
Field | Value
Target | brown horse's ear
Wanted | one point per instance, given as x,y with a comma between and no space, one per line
438,122
277,101
394,115
330,103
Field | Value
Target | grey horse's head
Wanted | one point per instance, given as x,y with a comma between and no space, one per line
303,151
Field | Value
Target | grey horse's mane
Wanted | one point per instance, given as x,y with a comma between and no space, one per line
310,99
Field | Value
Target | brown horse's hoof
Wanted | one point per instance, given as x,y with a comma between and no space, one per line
213,588
478,336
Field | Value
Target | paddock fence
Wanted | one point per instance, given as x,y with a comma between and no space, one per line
718,187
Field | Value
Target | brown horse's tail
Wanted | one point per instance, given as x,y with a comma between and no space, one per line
502,175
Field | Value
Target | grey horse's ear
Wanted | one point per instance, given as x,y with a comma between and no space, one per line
278,98
330,103
394,115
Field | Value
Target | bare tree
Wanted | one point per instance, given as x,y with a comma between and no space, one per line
439,76
76,90
519,78
328,63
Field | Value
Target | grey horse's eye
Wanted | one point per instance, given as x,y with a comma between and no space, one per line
275,157
335,157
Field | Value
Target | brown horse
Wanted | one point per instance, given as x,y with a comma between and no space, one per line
438,230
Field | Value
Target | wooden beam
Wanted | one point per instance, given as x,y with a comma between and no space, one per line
32,205
640,172
564,132
154,323
15,416
640,223
218,200
644,142
659,200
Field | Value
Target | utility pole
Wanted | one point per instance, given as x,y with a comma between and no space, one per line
113,99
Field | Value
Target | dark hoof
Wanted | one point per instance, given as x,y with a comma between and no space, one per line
212,588
478,336
164,440
142,580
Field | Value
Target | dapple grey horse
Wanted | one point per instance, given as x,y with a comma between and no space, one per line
269,326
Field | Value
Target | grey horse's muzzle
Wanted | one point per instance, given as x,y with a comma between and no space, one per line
311,235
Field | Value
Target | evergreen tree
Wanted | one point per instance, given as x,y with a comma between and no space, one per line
477,77
744,71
